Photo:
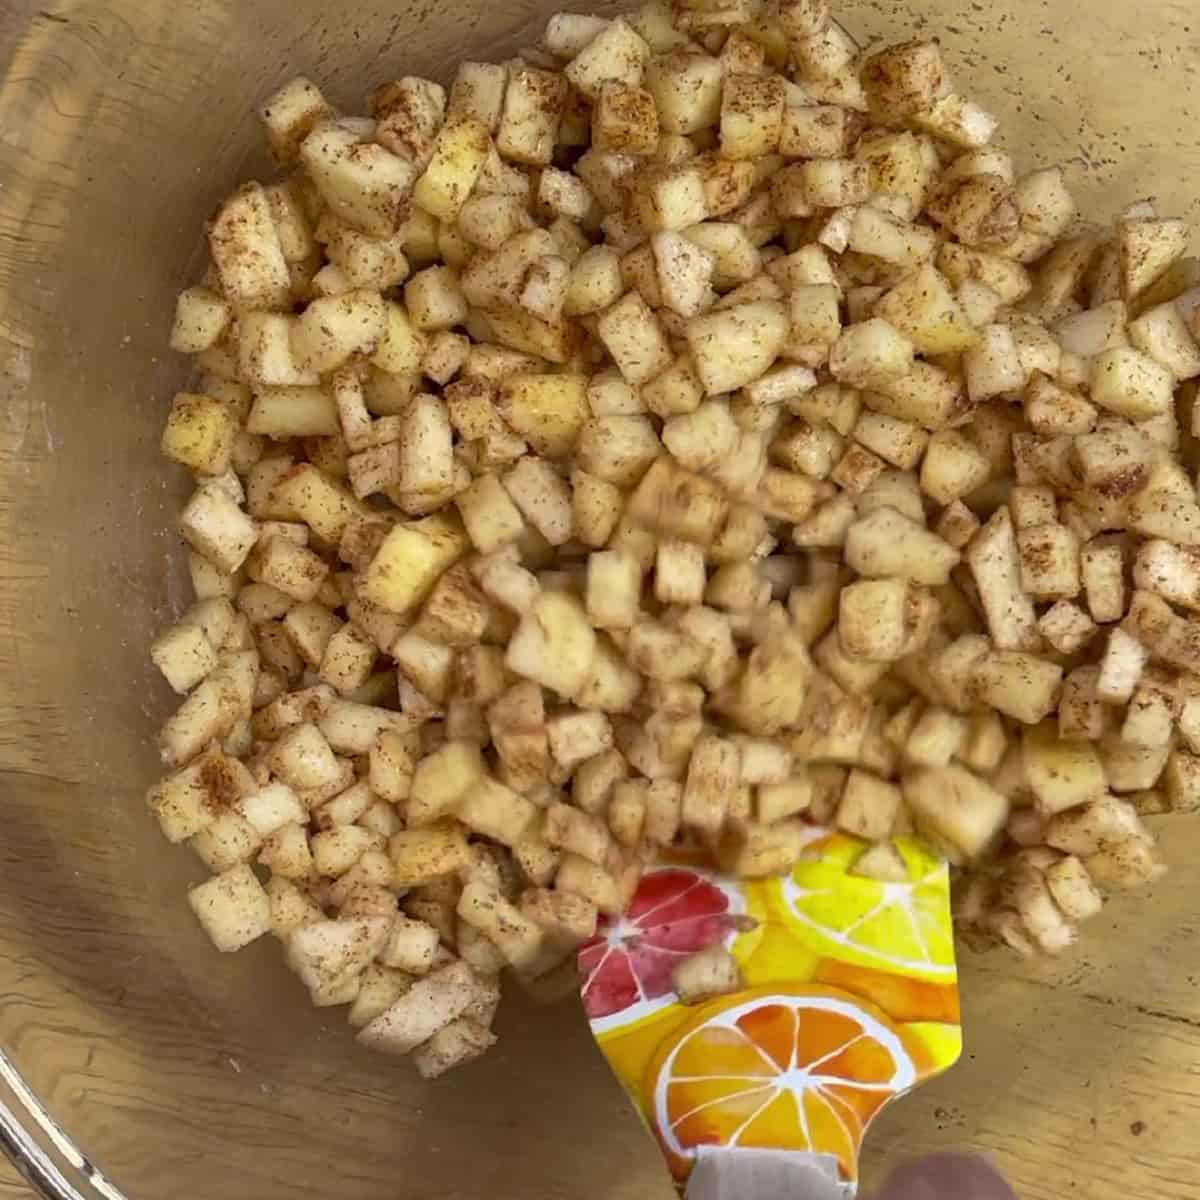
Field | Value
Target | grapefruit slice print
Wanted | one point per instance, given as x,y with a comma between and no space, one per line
803,1068
627,967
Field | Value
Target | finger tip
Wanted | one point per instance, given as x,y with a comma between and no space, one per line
946,1176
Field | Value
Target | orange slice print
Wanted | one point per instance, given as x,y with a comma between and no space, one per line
778,1068
902,998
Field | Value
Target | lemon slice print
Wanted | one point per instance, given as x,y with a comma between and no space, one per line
902,928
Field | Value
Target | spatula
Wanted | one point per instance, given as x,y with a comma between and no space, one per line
850,999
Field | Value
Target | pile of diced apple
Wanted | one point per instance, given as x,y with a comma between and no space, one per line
690,430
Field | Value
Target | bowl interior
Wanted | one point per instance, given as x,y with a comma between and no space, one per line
181,1072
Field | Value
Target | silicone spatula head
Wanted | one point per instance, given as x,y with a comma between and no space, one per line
849,999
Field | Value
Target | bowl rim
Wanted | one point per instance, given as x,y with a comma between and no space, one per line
52,1164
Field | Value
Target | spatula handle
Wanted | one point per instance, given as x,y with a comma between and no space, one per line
766,1175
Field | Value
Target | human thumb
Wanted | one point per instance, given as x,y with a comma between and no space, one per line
945,1177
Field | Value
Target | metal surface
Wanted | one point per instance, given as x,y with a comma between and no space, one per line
179,1073
766,1175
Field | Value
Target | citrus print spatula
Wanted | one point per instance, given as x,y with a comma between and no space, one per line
849,999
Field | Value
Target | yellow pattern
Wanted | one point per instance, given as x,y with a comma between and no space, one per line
882,951
898,927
